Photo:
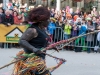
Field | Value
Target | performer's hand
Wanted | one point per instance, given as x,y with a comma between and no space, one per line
38,52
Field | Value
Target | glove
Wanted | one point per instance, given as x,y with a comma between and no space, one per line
37,51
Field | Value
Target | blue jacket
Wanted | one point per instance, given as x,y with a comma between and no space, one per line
82,30
51,27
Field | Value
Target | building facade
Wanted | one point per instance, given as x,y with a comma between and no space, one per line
86,4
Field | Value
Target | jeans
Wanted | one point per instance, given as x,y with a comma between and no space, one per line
66,36
89,44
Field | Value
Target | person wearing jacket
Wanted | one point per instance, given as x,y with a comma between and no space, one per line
82,30
51,28
8,18
17,21
90,38
67,30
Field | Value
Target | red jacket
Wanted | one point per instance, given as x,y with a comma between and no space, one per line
16,20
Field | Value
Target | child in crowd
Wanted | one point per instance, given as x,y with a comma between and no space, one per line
67,30
51,28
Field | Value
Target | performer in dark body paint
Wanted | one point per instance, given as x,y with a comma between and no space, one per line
35,37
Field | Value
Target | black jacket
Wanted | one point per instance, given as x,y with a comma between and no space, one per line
1,17
8,19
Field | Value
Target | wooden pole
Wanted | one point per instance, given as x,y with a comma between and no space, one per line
50,46
10,64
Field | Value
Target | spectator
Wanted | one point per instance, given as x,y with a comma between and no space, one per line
22,16
11,12
8,18
82,11
75,17
52,13
1,15
90,37
51,28
72,12
15,9
82,30
98,23
17,18
69,18
67,30
94,12
88,17
31,8
94,22
58,32
16,4
9,5
25,14
22,9
63,15
74,30
78,23
78,12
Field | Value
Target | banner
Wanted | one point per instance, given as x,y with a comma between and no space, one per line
12,33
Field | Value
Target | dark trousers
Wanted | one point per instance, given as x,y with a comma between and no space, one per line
89,45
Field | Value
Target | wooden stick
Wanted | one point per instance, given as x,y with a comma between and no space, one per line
54,57
50,46
10,64
68,40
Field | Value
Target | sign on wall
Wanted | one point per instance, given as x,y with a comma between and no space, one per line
12,33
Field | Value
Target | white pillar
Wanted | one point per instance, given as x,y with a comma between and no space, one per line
58,5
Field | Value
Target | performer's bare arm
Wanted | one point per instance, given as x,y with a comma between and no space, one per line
29,34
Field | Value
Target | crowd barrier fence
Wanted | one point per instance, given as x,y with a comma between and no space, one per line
13,33
85,42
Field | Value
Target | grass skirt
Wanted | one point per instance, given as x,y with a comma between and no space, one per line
29,66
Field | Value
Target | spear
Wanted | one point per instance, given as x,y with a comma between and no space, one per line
68,40
18,59
10,64
54,45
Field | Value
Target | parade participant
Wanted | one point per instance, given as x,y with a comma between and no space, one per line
35,37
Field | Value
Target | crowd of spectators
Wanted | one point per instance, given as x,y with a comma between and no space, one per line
14,14
74,23
69,22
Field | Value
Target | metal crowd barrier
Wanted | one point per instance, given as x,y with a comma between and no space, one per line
58,35
87,43
80,42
